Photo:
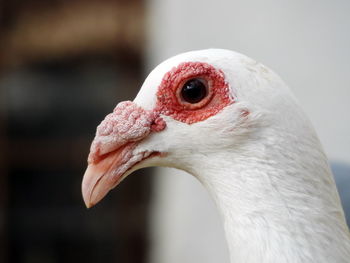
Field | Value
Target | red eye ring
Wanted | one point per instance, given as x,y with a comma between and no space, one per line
169,100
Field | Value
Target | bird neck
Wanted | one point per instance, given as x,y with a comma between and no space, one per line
277,207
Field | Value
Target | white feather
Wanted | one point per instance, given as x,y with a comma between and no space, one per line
266,171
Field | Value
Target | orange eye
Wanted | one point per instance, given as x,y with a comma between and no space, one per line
194,90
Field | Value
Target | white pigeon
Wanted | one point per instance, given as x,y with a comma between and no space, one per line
233,124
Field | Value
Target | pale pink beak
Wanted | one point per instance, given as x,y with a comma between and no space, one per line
112,152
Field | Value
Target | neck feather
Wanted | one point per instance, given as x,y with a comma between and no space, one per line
277,205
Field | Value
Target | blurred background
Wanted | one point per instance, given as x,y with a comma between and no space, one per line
65,64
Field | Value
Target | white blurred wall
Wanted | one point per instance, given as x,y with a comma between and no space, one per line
306,42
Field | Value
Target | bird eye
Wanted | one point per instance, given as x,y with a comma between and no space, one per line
194,90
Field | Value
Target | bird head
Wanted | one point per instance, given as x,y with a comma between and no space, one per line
191,106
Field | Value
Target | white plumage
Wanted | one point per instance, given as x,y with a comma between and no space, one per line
259,158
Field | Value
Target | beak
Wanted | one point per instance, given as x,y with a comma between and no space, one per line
112,154
103,175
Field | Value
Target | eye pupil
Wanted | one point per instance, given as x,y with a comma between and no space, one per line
193,91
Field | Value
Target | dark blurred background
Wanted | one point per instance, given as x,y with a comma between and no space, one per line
63,66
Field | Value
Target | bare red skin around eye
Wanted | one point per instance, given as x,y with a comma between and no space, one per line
169,101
